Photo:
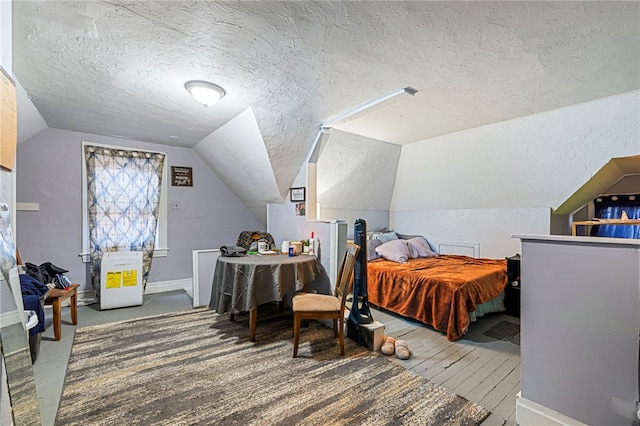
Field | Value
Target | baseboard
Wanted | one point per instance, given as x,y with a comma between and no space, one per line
532,413
172,285
86,296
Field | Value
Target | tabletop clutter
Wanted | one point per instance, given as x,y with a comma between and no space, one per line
254,243
295,248
263,244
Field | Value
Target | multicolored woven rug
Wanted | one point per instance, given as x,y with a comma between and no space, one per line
197,367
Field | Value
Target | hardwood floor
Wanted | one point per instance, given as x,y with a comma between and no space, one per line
480,368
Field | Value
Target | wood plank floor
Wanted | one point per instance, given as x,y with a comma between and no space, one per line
480,368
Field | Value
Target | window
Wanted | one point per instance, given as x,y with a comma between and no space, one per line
126,178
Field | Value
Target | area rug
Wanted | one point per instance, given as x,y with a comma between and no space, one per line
197,367
505,330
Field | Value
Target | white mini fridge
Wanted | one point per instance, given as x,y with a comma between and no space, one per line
121,279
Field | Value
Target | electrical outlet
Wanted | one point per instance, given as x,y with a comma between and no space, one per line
174,205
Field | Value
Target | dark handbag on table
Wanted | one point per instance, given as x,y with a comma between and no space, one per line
233,251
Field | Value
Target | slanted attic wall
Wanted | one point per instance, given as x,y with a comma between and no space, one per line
486,184
629,184
236,153
356,176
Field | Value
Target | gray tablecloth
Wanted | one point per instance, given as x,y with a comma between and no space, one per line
243,283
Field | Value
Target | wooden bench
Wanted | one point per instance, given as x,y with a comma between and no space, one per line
55,297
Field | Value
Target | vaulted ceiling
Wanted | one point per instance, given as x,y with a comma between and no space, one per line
119,67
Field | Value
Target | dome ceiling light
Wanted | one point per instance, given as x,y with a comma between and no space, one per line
205,92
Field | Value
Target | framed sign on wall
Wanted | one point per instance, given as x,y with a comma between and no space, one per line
181,176
297,194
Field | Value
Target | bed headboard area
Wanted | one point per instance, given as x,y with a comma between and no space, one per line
459,247
463,248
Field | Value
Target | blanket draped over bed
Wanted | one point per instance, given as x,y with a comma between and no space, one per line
439,291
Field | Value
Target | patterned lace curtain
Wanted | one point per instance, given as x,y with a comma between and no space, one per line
123,199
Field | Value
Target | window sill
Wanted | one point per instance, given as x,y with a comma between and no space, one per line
159,252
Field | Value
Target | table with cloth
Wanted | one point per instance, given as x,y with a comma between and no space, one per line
241,284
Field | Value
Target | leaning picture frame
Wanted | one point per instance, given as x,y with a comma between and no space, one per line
297,194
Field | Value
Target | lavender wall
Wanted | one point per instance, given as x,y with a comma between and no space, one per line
579,303
49,173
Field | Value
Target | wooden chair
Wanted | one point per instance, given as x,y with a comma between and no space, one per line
309,306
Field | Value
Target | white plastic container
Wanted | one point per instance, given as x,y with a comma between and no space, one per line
121,279
284,249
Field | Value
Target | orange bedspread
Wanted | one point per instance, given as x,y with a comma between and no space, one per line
439,291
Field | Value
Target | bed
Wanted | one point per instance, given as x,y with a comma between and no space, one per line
444,291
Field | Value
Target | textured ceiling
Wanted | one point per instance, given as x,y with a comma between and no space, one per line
119,68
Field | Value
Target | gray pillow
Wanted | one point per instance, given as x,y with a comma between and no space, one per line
385,236
420,247
406,236
395,250
372,244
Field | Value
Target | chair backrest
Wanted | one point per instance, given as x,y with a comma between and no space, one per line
247,237
345,273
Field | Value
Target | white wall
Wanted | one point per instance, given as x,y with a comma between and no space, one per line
484,184
356,177
236,153
356,172
377,220
491,229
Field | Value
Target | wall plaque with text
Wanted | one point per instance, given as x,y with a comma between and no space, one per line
181,176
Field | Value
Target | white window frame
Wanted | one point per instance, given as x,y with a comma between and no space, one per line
162,242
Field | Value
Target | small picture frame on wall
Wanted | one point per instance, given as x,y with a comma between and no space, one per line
181,176
297,194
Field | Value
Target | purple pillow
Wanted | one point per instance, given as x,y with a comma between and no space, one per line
395,251
420,247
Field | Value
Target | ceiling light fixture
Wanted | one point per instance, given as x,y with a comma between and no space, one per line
205,92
